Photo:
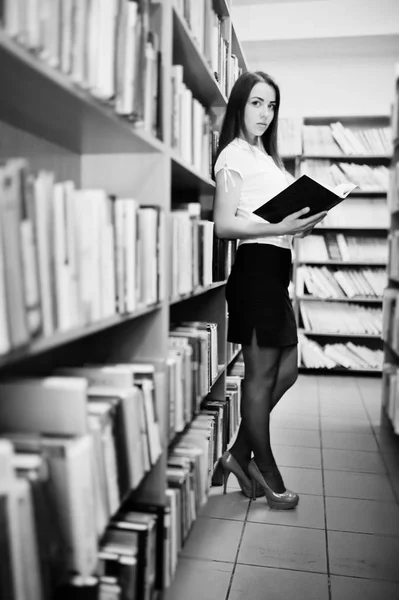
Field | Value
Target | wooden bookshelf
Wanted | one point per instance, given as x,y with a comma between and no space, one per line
60,126
324,153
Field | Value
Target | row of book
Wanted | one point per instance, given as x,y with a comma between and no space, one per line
289,136
212,38
335,318
193,368
191,465
393,188
90,433
70,257
191,125
107,48
343,248
390,393
349,355
335,139
357,213
326,282
195,266
367,177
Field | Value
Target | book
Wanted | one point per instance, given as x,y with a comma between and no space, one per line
303,192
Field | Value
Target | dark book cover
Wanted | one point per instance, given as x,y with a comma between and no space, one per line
301,193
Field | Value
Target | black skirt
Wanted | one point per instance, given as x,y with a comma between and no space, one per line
257,297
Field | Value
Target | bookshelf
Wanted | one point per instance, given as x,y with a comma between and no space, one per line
340,270
65,120
390,327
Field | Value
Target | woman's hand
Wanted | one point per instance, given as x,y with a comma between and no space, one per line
294,225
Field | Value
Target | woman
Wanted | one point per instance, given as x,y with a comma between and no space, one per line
249,172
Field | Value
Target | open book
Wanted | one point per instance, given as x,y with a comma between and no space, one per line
303,192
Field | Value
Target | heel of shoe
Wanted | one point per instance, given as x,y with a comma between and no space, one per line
225,475
253,486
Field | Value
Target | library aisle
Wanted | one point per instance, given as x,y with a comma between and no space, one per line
342,542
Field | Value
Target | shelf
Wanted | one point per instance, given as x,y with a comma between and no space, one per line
348,158
61,338
342,263
236,353
346,228
339,371
60,111
365,336
197,73
358,299
186,177
367,193
197,292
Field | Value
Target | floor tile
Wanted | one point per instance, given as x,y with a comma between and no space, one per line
363,555
303,481
391,461
351,460
349,441
258,583
369,486
346,425
233,505
199,579
355,411
291,456
295,422
362,516
213,539
351,588
308,513
283,547
295,437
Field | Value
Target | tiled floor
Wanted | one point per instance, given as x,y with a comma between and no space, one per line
342,541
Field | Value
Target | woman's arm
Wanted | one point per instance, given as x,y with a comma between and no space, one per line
230,226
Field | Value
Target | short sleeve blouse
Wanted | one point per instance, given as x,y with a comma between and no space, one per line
261,180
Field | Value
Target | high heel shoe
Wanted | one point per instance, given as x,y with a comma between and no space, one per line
284,501
228,464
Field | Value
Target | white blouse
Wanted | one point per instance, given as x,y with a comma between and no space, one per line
261,181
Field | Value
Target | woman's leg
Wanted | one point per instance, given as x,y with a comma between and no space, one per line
287,373
261,369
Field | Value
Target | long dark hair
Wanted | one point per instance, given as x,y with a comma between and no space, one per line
233,121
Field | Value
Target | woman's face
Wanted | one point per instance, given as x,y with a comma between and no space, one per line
259,110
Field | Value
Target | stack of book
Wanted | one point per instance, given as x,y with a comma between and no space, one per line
357,213
335,139
131,554
195,269
327,282
349,355
341,247
78,442
367,177
193,368
341,318
290,136
108,48
208,31
71,257
191,130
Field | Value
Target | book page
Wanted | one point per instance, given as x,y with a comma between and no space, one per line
343,189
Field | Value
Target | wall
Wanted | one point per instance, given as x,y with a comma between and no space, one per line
329,57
